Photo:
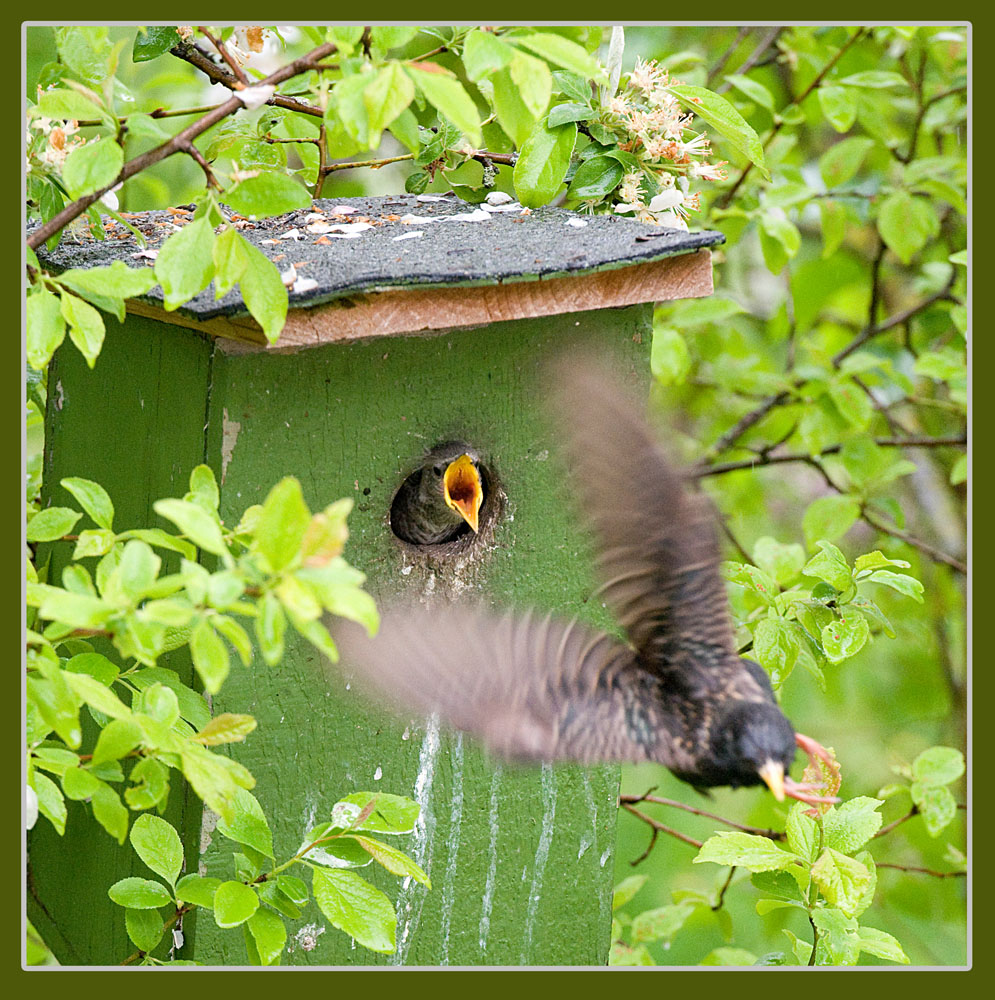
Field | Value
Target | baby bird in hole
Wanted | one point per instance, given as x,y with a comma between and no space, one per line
441,499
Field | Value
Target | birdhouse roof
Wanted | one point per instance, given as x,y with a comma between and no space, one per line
351,251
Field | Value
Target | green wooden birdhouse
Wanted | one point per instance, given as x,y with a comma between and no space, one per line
428,322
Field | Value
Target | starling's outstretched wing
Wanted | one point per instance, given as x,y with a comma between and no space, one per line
658,554
527,688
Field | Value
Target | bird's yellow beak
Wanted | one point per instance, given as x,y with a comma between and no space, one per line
773,774
463,490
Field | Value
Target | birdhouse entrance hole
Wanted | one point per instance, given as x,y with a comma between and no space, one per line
451,483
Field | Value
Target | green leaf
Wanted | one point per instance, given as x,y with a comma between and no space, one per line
875,79
833,216
79,784
86,327
234,903
139,893
849,826
51,803
96,694
445,92
117,739
512,114
776,647
881,945
570,111
391,814
269,933
840,879
64,104
829,565
229,260
484,53
829,518
46,327
270,628
938,766
670,359
779,884
92,167
247,824
560,51
729,957
958,472
802,832
106,284
386,96
906,223
202,529
150,784
758,854
752,578
210,656
901,582
226,728
152,41
596,177
158,845
782,562
853,404
265,294
353,905
936,805
841,161
839,105
662,923
268,193
185,264
875,560
725,119
93,498
52,523
542,163
753,90
393,860
626,889
845,637
282,522
838,942
145,928
197,889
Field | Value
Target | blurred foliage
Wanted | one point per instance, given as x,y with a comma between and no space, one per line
821,393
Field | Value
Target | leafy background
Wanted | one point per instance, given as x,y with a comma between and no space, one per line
791,283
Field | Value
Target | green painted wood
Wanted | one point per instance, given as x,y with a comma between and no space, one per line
135,424
520,858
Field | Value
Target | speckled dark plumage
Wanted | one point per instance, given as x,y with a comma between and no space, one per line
542,689
419,513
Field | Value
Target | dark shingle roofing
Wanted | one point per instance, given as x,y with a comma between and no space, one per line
506,246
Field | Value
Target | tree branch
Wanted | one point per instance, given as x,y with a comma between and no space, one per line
175,145
626,800
920,871
225,54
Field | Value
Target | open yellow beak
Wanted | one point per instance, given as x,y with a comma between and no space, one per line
773,774
463,490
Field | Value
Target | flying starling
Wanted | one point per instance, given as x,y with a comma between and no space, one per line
437,502
677,692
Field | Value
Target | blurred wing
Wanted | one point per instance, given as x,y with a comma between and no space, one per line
527,688
658,554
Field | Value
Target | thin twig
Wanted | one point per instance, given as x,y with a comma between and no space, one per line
920,871
726,56
763,457
626,800
226,55
657,827
722,892
171,146
755,56
795,102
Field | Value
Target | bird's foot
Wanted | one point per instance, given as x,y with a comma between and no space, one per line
804,791
823,774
